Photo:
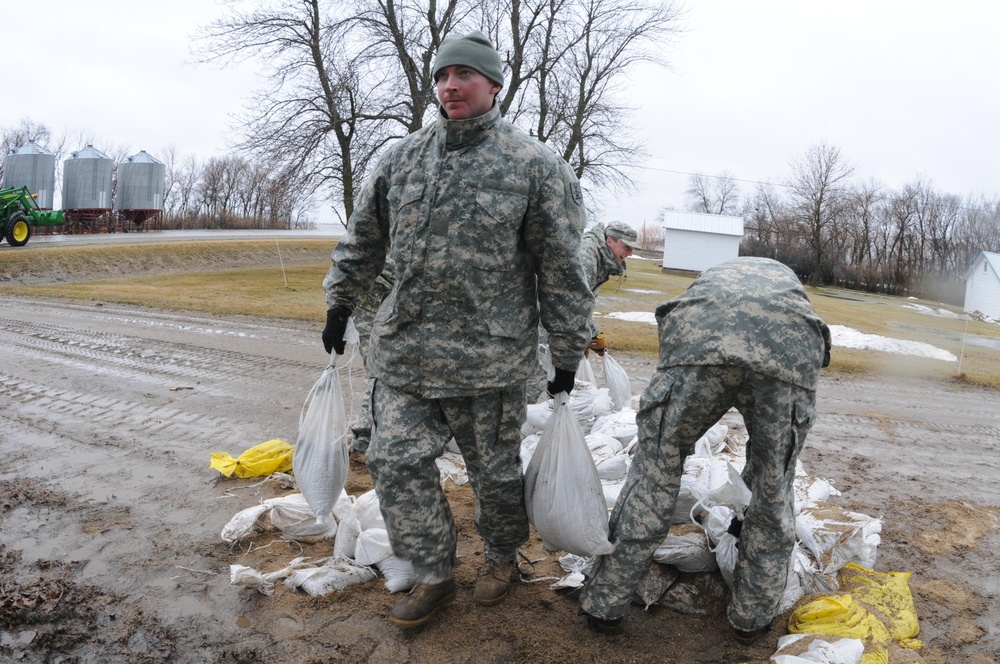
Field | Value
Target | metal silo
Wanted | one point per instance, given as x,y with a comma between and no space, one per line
34,167
87,180
140,183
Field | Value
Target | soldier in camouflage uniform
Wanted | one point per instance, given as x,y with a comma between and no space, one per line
364,317
743,334
483,225
603,251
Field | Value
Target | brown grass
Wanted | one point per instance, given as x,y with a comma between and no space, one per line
246,277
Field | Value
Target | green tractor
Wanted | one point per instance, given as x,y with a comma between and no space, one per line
19,211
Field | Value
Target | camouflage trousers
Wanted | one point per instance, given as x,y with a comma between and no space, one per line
408,434
678,407
361,429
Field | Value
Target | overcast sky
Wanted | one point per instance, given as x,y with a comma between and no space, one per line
904,88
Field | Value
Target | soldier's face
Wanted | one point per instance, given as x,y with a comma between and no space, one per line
619,249
464,92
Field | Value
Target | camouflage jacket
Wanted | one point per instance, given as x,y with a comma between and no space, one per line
483,226
599,264
371,299
747,312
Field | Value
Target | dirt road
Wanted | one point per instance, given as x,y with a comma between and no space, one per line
110,515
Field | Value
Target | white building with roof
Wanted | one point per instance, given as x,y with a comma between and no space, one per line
696,241
982,285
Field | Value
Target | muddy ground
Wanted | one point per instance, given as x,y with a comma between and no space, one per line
110,516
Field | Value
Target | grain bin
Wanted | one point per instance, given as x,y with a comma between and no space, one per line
87,180
140,183
34,167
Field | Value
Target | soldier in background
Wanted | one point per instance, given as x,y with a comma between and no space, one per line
743,334
483,225
603,252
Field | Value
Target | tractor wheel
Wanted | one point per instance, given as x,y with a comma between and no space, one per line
18,230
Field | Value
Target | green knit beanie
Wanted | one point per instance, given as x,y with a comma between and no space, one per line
472,50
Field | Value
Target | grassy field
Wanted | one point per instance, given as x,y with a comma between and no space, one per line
284,280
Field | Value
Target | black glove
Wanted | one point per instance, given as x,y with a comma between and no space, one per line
826,358
563,382
336,325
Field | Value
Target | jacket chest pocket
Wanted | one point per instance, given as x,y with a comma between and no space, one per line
496,228
405,202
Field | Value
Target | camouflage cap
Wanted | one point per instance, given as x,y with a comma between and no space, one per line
622,231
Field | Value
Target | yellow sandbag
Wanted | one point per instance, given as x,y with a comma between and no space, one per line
843,617
273,456
878,609
886,594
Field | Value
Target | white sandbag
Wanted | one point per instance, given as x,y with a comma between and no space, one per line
716,525
537,416
589,403
242,523
702,594
347,537
793,586
811,578
367,511
336,574
619,387
292,515
563,495
577,567
620,425
451,466
372,546
399,574
809,489
835,536
819,651
343,506
712,442
653,584
731,491
612,468
686,548
596,441
611,491
321,457
528,445
248,577
585,372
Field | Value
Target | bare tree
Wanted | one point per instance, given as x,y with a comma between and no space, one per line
717,194
818,187
317,113
344,79
651,236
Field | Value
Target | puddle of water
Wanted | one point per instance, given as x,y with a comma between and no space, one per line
243,622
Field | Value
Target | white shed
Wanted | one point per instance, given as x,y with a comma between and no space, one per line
982,285
696,241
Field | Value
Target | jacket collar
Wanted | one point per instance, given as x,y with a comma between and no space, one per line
462,133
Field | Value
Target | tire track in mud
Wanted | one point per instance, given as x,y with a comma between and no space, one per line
40,404
924,430
140,358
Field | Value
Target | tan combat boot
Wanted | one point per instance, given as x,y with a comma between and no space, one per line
419,604
494,582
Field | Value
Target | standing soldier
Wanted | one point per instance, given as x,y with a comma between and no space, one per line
743,334
483,225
